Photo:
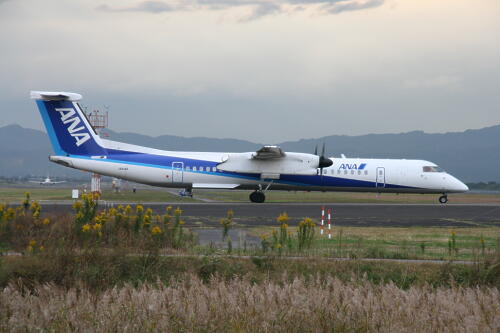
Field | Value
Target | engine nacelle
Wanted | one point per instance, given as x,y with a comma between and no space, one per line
291,163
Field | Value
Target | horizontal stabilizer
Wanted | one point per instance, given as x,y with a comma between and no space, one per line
55,96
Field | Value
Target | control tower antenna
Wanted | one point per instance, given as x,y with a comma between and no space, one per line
98,120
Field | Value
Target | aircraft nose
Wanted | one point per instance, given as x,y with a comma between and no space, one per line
455,185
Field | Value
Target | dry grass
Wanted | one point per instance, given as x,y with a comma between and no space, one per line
241,306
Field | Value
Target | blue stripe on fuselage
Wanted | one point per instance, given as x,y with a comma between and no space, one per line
165,162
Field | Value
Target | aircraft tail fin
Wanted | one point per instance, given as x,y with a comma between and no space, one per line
69,130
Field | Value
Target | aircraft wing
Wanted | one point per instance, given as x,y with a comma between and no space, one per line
270,162
268,153
35,181
215,186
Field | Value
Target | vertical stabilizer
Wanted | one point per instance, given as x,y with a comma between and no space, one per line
69,129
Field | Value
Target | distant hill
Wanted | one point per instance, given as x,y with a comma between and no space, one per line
472,155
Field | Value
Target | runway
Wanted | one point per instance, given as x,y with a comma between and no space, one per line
345,214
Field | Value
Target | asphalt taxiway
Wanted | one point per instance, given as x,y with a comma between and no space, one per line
343,214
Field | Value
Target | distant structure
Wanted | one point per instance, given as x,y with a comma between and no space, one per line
98,120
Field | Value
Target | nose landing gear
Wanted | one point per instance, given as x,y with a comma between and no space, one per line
443,199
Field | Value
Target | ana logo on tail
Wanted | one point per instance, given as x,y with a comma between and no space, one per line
69,116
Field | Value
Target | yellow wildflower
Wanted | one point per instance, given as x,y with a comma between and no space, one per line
139,209
97,226
168,209
32,242
282,218
178,212
156,230
30,248
41,248
46,221
77,205
86,227
10,214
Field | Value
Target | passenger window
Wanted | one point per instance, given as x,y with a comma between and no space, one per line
352,172
345,172
194,168
359,172
214,169
366,172
188,168
338,172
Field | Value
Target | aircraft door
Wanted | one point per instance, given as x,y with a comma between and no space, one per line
380,178
177,172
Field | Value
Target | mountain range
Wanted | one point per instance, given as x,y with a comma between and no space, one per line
472,155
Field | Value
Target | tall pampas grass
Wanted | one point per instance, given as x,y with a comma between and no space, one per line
238,305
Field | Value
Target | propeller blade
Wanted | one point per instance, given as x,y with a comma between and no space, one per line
316,150
323,150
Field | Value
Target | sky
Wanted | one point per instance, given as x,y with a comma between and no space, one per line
260,70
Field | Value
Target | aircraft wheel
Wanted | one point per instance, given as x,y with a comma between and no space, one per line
258,197
443,199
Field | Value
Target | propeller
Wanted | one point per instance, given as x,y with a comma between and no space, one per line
323,161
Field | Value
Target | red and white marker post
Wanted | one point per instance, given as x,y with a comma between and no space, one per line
322,218
329,223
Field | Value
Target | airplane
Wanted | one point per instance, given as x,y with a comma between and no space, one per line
47,181
77,145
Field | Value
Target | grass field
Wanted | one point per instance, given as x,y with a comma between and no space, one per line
161,195
11,195
400,243
128,270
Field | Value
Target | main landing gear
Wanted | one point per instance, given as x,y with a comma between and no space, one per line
257,197
188,192
443,199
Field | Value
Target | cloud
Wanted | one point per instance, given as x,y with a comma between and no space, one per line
145,6
263,9
258,8
350,5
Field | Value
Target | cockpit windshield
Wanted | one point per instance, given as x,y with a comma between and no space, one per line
432,168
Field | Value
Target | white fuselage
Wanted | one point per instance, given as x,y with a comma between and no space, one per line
202,170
